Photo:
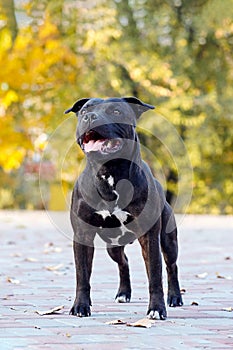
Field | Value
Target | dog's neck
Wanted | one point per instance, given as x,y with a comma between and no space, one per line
118,180
124,166
108,174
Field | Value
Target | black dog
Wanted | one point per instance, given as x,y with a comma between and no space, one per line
117,198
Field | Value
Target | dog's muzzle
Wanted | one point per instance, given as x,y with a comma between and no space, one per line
92,141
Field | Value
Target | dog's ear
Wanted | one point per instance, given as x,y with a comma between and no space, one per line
77,106
137,105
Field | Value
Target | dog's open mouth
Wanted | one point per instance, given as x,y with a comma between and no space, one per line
92,141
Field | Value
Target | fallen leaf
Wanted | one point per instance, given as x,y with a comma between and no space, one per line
11,242
60,273
227,258
54,267
51,311
16,255
13,280
13,308
202,275
144,323
21,226
223,277
57,250
7,297
228,309
31,260
68,335
115,322
183,291
195,303
52,249
48,244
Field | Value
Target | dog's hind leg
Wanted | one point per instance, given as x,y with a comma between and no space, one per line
170,251
150,244
124,291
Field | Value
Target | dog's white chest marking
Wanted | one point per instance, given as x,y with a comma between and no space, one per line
110,180
118,196
104,213
121,215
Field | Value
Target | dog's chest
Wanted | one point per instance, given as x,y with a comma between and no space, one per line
113,217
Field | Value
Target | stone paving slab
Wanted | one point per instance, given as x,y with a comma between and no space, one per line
37,273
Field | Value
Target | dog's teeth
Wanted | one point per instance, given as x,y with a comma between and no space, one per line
108,144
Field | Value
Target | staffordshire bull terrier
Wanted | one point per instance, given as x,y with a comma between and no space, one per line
117,198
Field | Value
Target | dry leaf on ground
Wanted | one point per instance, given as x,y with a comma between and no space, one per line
51,311
16,255
228,309
144,323
52,250
48,244
31,260
13,280
223,277
54,267
195,303
202,275
115,322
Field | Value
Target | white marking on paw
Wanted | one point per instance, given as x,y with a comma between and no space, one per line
121,299
154,315
104,213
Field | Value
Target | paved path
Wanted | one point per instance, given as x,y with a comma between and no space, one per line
37,273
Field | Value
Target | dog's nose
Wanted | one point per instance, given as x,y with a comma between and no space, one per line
89,117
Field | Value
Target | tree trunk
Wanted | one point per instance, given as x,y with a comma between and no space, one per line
7,7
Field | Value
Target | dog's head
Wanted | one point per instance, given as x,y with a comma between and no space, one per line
105,125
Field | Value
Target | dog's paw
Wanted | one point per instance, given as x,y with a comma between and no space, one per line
123,297
174,300
80,310
157,308
160,314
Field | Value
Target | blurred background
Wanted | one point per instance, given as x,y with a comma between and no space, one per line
177,55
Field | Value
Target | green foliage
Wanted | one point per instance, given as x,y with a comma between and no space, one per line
174,54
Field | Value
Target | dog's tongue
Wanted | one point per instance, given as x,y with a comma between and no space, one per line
93,146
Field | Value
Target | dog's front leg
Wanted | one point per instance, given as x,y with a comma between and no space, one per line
150,244
83,256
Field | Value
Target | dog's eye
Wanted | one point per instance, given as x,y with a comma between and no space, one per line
116,111
83,112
